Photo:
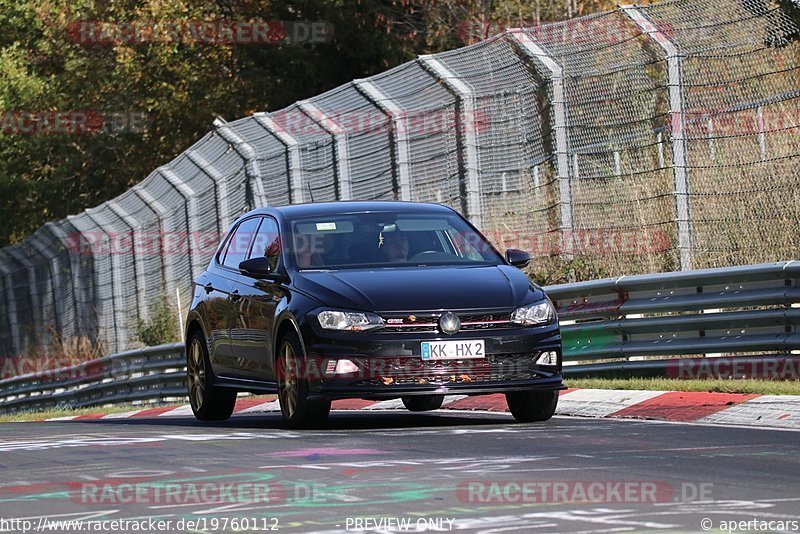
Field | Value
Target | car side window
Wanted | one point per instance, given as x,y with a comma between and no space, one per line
267,242
239,243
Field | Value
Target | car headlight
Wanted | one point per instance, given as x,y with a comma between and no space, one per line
348,321
534,314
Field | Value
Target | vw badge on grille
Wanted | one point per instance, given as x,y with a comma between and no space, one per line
449,323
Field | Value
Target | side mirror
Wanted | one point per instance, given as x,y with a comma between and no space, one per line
518,258
256,267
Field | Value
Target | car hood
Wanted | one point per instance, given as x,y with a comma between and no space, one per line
420,289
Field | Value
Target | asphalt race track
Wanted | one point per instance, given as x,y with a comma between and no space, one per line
397,472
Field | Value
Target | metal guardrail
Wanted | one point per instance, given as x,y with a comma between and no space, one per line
735,310
536,135
150,374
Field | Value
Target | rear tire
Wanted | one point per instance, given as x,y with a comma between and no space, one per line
423,403
209,403
297,410
530,406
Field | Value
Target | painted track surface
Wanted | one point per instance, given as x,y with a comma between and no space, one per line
779,411
400,465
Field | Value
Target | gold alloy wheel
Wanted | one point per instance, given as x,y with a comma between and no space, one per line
288,391
196,375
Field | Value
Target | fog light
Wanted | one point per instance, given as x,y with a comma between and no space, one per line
340,367
549,357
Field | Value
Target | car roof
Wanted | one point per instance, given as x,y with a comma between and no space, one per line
351,206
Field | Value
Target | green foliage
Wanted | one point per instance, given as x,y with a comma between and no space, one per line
179,88
160,328
562,271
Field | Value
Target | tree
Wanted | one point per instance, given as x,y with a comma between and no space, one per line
137,103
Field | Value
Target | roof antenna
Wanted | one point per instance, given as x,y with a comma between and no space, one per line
310,192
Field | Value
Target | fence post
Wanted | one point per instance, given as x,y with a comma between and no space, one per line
118,310
220,186
342,163
677,124
36,309
91,316
189,197
17,254
161,213
762,138
75,270
560,127
55,279
248,154
11,305
399,132
138,266
470,169
292,156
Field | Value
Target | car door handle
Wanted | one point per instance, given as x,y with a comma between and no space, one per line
208,287
235,296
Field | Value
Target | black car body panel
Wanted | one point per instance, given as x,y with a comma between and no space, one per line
243,318
377,289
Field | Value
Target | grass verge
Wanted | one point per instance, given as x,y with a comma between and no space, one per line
749,385
109,409
67,412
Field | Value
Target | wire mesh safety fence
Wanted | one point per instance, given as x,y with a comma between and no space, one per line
645,139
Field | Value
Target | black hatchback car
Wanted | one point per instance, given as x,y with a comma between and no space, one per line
373,300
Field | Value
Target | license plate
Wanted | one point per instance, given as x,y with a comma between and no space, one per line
453,350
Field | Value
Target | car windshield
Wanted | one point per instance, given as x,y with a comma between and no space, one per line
382,239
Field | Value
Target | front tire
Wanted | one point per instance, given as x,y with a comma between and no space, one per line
209,403
297,410
530,406
423,403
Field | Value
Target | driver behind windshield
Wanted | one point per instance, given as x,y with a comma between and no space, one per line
396,246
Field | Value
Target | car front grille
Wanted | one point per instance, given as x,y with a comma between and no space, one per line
430,322
414,371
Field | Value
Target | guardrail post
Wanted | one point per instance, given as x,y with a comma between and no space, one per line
250,157
468,145
116,281
292,155
401,165
11,305
677,122
161,212
560,128
138,266
188,195
220,185
342,164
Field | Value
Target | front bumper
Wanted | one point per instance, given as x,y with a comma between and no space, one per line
390,365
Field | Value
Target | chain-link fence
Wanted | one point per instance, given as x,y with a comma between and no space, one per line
643,139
